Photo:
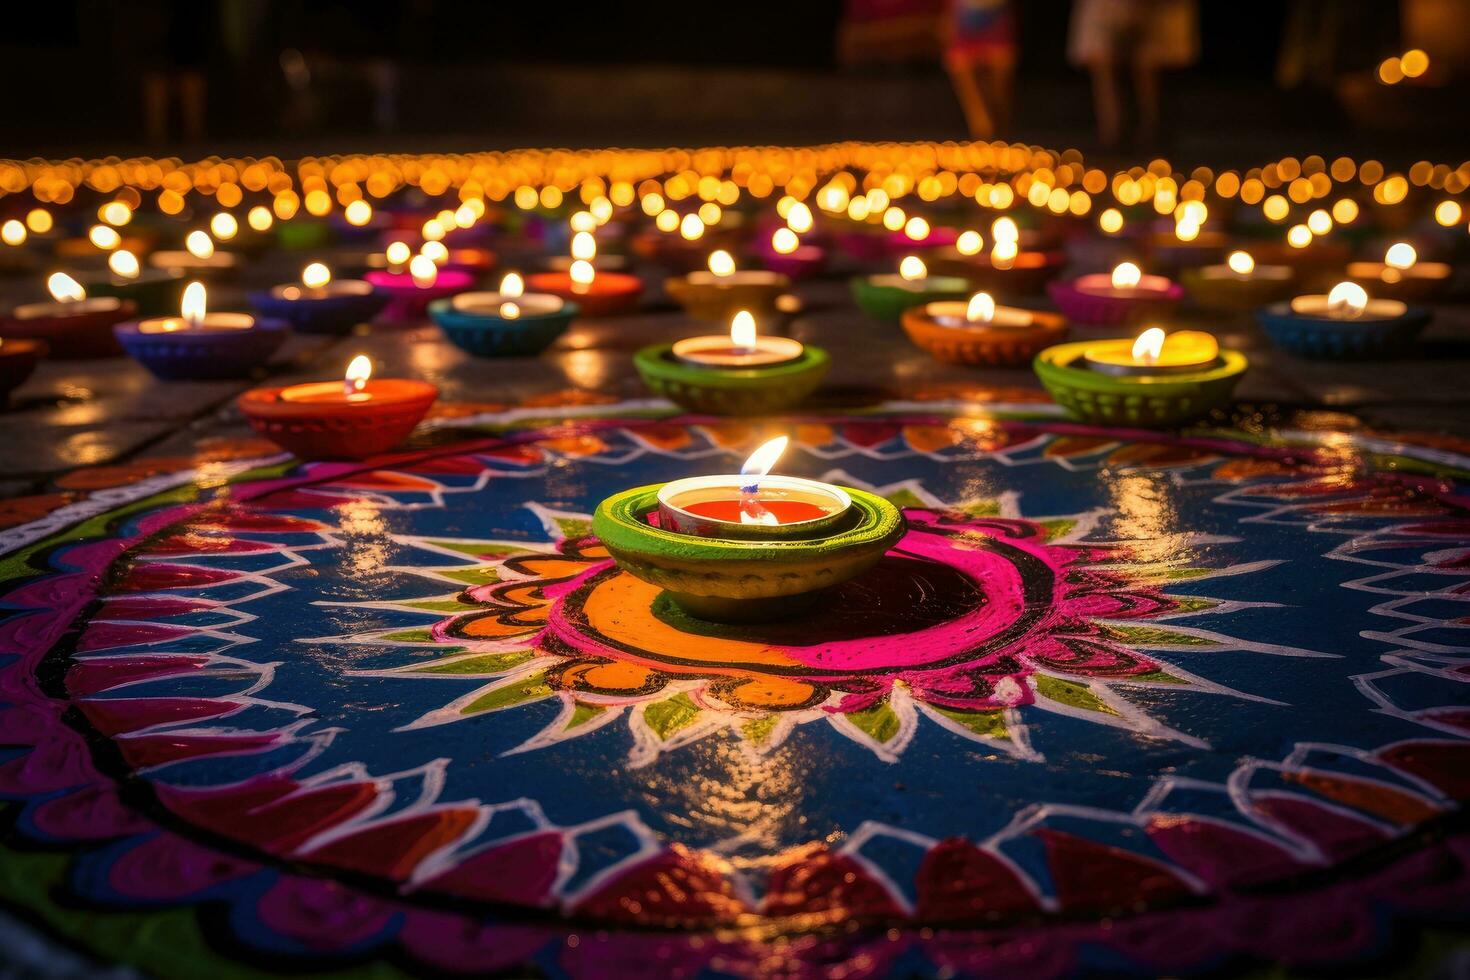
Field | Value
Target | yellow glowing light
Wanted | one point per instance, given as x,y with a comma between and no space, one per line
857,209
64,288
1004,229
192,307
124,264
358,213
423,270
224,226
260,218
784,241
710,213
721,263
969,243
912,268
833,198
1148,346
318,203
1126,275
602,210
437,251
765,457
526,197
582,221
199,244
1319,222
359,370
653,205
1299,236
1400,256
894,218
692,227
784,205
742,331
799,218
584,246
1347,300
464,215
916,229
512,286
398,253
1003,253
39,221
316,275
13,232
981,308
433,231
1391,71
1110,221
510,311
115,213
667,220
1345,211
1414,63
1448,213
104,237
1194,211
1241,263
1276,207
1186,231
582,273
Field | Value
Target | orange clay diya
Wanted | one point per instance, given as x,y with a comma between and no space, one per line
351,419
595,293
980,332
1401,275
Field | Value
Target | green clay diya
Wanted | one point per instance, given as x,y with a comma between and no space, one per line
887,296
742,374
1122,382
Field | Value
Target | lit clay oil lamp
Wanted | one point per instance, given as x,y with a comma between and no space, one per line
198,259
320,304
720,292
1345,323
746,547
18,358
410,286
73,325
886,296
786,254
595,293
1402,276
1122,298
1238,284
354,418
1011,266
743,373
509,322
981,333
1189,243
198,345
155,292
1153,381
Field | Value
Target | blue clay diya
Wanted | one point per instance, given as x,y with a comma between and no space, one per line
506,323
197,345
320,304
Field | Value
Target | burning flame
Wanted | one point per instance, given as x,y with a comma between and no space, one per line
1004,251
65,288
912,268
761,461
192,306
124,264
199,244
742,331
512,286
721,263
799,218
1127,276
1400,256
981,308
358,213
1148,346
510,311
316,275
423,270
784,241
357,374
584,246
582,273
1241,263
1347,300
692,227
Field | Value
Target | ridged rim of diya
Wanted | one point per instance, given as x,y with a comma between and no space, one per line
320,314
529,333
1092,310
317,430
79,336
726,578
736,391
889,302
1311,336
1240,295
203,354
1159,401
18,358
983,345
718,301
620,293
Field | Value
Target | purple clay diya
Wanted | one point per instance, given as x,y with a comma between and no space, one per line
1120,299
73,325
199,345
1345,323
786,254
320,304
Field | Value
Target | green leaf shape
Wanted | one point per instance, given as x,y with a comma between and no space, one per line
880,722
1192,603
986,724
980,508
1154,677
437,605
582,713
670,715
479,549
904,497
486,663
473,576
574,528
758,730
1155,636
410,636
1058,527
532,687
1070,693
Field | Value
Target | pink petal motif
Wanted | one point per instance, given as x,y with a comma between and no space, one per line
520,872
92,813
459,944
1096,878
676,887
815,880
868,435
1444,765
447,465
59,762
256,522
323,914
166,867
1337,834
144,751
275,814
122,715
1218,854
151,607
393,848
204,544
152,577
86,677
1087,657
961,882
108,636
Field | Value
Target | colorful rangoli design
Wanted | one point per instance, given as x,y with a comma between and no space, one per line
1116,701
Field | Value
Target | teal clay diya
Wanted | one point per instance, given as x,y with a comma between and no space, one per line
1155,381
740,374
887,296
746,547
509,322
